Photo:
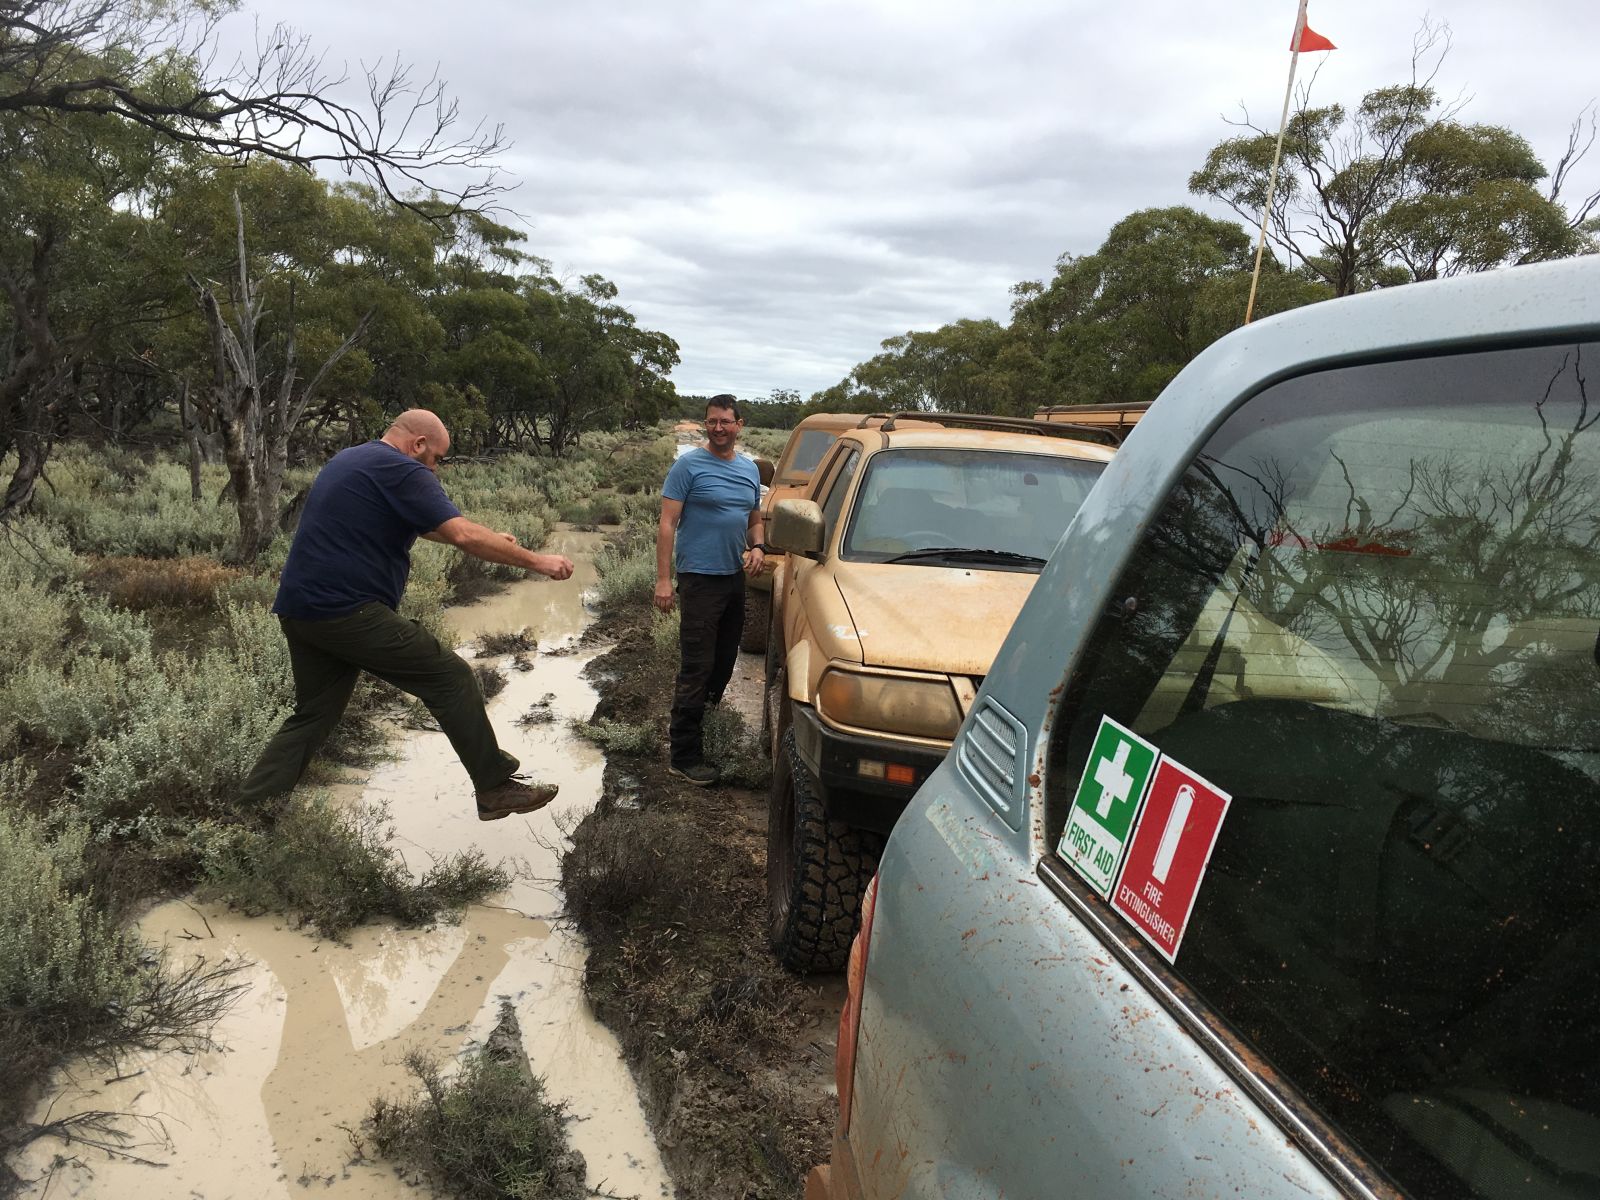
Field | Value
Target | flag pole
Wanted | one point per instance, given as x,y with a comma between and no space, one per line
1277,155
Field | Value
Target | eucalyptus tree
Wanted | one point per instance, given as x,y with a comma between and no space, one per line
1399,189
1115,326
78,275
970,365
597,367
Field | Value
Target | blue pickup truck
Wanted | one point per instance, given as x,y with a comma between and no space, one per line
1267,860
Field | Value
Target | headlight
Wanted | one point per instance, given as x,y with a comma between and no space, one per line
924,708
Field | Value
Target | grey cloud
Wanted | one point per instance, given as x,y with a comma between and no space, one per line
781,187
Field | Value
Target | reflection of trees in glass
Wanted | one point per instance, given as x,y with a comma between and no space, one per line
1466,590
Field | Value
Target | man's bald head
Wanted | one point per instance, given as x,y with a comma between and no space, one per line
419,434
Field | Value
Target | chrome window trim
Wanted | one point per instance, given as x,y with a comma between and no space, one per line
1346,1167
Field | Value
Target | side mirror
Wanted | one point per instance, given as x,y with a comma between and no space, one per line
797,527
766,470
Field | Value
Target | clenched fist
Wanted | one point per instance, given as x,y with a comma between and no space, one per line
557,566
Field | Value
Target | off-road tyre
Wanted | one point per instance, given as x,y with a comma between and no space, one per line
775,713
817,871
757,617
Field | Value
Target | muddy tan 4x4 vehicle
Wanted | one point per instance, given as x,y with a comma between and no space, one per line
807,445
918,541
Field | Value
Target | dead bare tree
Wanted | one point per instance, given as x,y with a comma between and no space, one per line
156,66
1579,143
256,419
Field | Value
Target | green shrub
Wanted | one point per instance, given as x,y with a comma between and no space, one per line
112,505
334,869
112,632
33,624
59,953
642,469
764,443
730,747
664,643
71,702
155,764
626,576
33,550
490,1133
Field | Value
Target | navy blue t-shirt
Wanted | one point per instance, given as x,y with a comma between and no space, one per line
353,546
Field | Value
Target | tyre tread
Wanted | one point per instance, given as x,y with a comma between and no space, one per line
834,863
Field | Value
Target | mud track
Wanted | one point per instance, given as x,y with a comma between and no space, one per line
734,1056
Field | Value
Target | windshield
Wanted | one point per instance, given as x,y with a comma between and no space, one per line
1011,505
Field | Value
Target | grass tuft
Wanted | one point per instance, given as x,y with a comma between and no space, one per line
516,642
640,739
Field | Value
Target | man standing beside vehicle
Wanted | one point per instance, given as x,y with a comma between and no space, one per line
337,601
710,513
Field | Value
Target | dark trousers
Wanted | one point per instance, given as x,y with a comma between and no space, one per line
327,656
711,615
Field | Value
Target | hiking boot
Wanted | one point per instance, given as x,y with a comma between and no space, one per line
515,795
701,774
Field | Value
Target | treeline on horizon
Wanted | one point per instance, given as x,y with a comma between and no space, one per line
157,278
1394,191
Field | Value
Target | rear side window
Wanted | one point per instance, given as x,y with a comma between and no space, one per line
809,447
1370,613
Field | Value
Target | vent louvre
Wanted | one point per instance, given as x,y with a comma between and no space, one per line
992,758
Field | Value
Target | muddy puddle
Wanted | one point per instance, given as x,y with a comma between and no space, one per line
324,1026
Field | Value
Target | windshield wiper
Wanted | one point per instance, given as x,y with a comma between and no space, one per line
969,553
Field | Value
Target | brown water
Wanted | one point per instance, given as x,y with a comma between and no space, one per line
324,1026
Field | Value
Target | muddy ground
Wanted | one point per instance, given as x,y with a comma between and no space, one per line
734,1056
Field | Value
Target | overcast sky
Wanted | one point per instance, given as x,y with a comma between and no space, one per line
781,186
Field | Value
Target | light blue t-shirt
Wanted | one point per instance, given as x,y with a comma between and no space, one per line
718,496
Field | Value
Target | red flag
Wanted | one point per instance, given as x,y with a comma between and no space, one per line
1311,40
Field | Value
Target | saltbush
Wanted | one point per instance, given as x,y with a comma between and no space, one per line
617,861
489,1133
72,701
154,766
112,505
664,638
59,952
731,748
334,868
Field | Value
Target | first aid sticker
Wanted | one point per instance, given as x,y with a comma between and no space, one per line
1109,794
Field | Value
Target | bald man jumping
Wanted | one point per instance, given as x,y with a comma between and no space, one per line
337,603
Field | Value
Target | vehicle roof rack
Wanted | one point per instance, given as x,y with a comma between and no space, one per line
1120,411
1083,433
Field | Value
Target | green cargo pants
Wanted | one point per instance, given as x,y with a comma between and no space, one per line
327,656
